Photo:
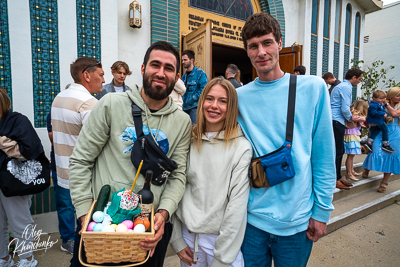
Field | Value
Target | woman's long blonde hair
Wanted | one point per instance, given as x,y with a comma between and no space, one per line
230,125
359,107
5,102
393,92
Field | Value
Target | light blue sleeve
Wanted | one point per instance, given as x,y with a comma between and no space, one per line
345,96
323,159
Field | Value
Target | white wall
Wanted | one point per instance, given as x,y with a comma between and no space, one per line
21,57
67,39
383,30
132,42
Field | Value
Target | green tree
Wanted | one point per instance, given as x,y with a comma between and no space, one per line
375,77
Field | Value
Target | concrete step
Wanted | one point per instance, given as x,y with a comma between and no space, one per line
363,201
362,185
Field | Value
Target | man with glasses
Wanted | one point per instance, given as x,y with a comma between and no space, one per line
340,105
69,111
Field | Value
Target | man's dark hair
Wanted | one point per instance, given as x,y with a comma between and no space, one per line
81,64
189,53
232,69
260,24
328,75
300,69
163,46
353,72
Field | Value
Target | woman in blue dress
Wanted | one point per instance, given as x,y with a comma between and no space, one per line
382,161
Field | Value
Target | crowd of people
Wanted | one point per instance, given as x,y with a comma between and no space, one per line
380,115
220,133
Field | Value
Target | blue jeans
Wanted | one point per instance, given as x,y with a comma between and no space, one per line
193,114
259,248
374,131
65,211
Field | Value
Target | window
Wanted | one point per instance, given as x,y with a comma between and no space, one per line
357,30
237,9
338,15
327,16
314,18
348,24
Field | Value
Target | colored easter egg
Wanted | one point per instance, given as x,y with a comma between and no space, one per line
114,225
108,228
139,228
97,227
121,228
90,226
98,216
130,231
128,223
142,220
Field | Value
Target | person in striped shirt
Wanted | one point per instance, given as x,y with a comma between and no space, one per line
69,111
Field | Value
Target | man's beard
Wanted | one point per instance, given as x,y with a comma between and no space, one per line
155,93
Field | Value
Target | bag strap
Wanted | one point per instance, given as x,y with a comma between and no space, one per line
291,108
137,119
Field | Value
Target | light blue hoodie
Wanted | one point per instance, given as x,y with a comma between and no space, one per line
285,209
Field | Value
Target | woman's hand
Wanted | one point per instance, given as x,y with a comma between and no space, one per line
186,255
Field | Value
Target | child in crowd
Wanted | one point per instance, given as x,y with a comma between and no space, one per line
376,119
352,134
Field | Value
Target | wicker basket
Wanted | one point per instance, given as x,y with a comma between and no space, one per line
102,247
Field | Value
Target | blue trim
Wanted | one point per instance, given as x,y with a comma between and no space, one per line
313,58
356,58
88,28
346,60
336,60
45,59
5,59
325,56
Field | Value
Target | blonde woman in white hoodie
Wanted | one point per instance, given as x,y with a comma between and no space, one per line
210,222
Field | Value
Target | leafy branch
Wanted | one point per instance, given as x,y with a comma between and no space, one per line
375,77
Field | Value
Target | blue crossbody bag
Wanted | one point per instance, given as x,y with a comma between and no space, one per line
277,166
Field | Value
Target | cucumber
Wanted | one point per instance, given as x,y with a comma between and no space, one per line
102,199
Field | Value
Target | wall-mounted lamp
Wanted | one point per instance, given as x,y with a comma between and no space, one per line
135,15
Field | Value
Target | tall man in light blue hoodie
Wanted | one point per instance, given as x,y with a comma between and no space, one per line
285,219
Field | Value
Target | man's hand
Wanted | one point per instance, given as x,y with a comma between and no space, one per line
385,115
159,223
186,255
82,219
315,230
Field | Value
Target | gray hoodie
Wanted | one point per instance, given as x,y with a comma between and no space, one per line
102,154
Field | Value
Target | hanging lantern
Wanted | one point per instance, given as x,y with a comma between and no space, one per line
135,15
